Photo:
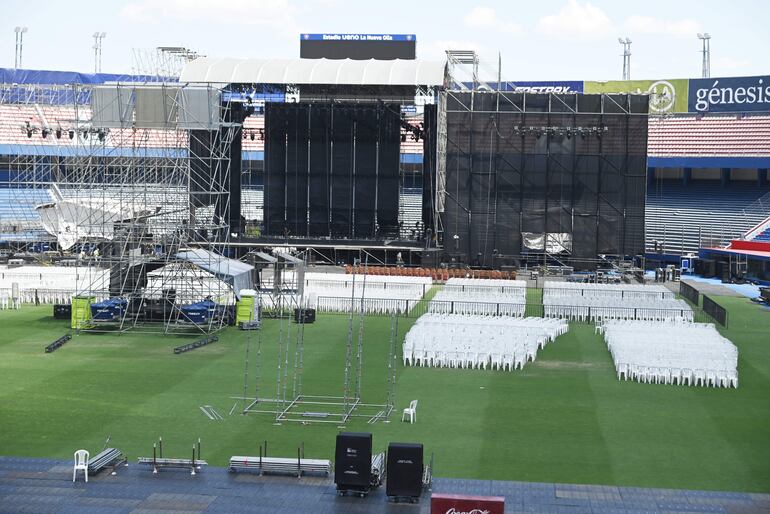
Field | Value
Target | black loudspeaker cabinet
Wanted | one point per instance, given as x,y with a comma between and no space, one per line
405,467
61,311
353,461
304,315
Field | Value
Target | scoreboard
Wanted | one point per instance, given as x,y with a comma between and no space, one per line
358,46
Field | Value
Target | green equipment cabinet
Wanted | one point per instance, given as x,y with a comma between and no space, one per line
81,311
247,309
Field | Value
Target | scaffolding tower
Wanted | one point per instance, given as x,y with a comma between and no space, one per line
125,181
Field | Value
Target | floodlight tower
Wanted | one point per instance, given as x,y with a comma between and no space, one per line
706,39
19,45
98,37
626,57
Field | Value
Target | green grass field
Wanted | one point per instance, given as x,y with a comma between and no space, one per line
564,418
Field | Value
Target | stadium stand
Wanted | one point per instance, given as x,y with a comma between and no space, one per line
712,135
763,236
17,209
679,218
683,218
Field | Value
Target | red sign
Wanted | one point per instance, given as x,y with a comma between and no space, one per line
464,504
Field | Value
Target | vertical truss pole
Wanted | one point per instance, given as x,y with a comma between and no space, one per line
300,344
288,347
349,351
246,365
392,362
361,317
258,360
280,358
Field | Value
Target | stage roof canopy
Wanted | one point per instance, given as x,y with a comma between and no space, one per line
398,72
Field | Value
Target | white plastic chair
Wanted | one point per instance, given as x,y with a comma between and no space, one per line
410,411
81,462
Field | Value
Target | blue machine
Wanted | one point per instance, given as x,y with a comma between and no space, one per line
199,312
111,309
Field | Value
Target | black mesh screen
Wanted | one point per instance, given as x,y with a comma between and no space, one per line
430,117
331,170
275,170
389,161
561,167
320,170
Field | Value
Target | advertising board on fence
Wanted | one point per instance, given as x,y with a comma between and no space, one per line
733,94
666,96
465,504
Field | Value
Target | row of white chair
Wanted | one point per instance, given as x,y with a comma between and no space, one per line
456,341
673,352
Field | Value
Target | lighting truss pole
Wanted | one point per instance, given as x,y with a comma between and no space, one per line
626,57
706,40
19,45
98,37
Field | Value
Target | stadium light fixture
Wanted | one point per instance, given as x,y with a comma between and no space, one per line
98,37
626,57
20,31
706,51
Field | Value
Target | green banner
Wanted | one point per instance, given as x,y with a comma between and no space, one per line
665,95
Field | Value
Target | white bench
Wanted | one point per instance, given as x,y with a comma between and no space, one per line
280,466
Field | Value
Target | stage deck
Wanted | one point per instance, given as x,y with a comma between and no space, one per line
45,485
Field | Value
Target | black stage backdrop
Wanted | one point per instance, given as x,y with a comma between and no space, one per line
430,119
208,173
518,168
331,170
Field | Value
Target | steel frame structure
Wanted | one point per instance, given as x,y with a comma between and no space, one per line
128,191
298,406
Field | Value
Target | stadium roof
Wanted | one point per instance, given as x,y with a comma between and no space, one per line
398,72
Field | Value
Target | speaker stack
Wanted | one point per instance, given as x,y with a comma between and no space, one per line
304,315
353,462
62,311
405,468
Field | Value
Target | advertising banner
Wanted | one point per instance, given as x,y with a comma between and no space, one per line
734,94
466,504
666,96
561,86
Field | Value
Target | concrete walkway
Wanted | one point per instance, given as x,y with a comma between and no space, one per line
44,485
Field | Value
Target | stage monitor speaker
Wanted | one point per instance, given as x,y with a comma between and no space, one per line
304,315
62,311
405,463
353,460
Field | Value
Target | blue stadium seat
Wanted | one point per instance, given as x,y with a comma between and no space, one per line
683,218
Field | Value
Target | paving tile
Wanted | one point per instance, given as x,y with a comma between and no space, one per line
44,485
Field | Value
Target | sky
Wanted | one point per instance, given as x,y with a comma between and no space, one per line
537,40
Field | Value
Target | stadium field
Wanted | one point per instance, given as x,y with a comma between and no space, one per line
564,418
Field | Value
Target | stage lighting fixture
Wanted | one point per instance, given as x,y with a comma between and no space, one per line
45,133
403,138
100,134
58,133
29,133
85,134
252,136
72,134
